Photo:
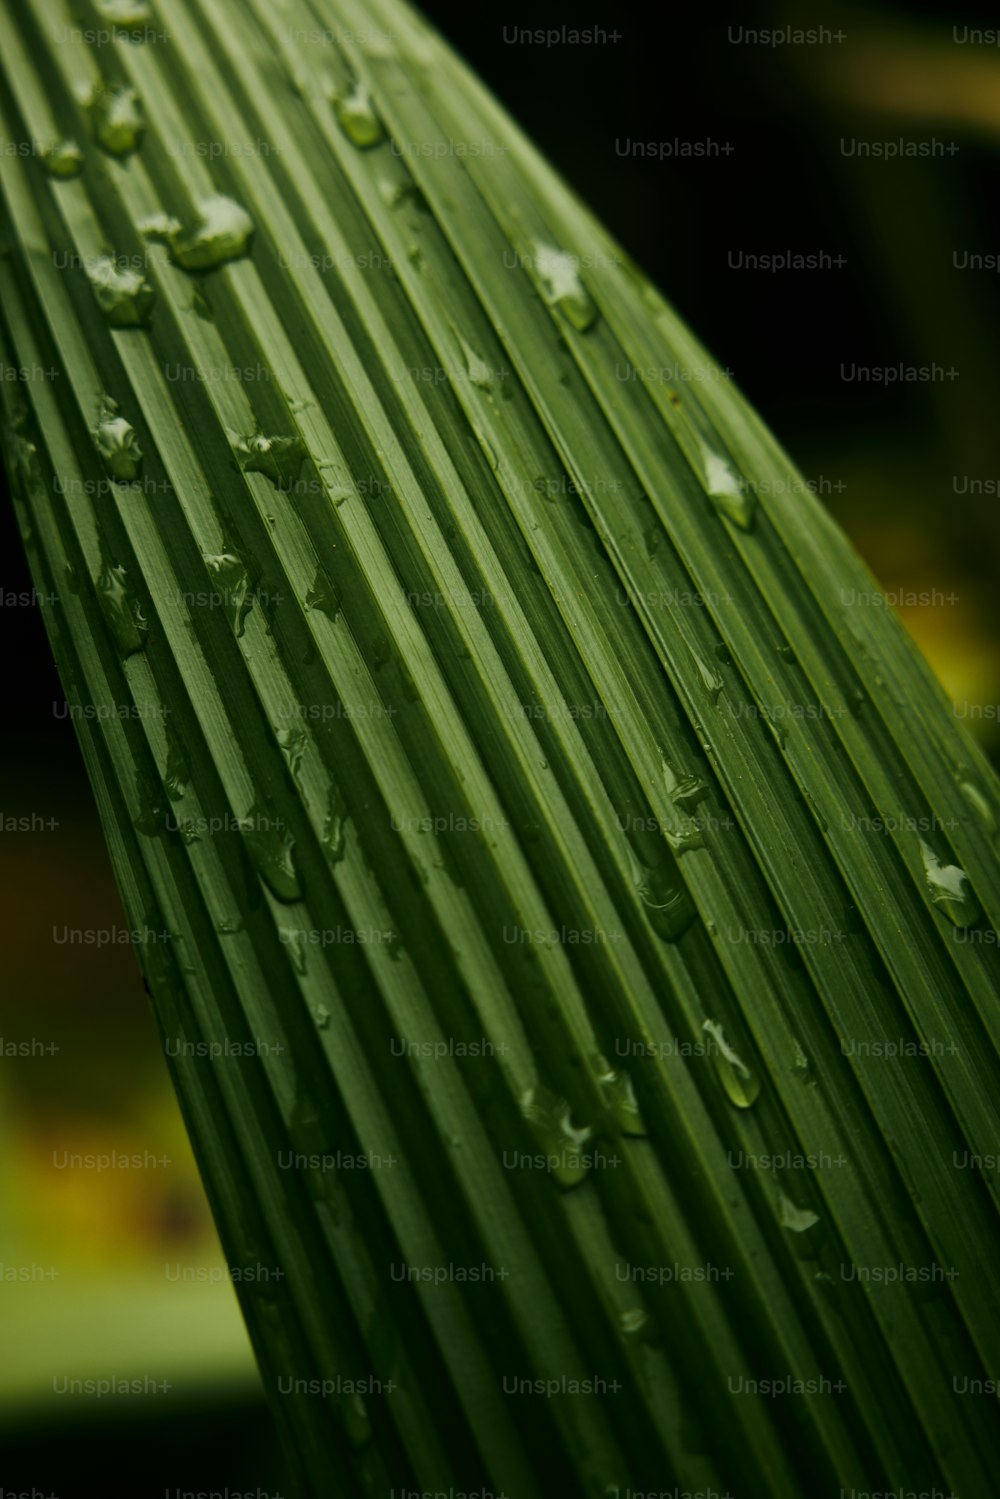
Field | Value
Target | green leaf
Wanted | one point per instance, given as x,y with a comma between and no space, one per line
580,906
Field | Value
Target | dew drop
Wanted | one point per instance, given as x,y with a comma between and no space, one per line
948,887
295,940
121,609
711,679
727,495
619,1097
228,926
221,231
632,1322
116,442
233,587
277,458
123,295
118,120
357,118
742,1087
129,15
801,1065
271,849
560,278
393,194
797,1220
321,1015
686,836
683,788
177,774
292,743
478,371
560,1141
324,595
63,159
161,227
334,836
151,819
666,903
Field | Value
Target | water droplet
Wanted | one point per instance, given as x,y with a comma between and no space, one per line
123,295
126,15
294,938
683,788
277,458
666,903
729,497
228,926
271,849
797,1220
63,159
161,227
177,774
357,118
118,120
324,595
619,1097
393,194
222,231
293,745
633,1321
560,1141
233,587
711,679
560,278
334,836
121,609
381,652
477,369
321,1015
686,836
742,1086
801,1065
979,804
116,441
151,819
948,887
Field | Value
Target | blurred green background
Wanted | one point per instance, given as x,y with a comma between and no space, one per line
102,1250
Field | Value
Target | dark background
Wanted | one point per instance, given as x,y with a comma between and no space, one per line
886,462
